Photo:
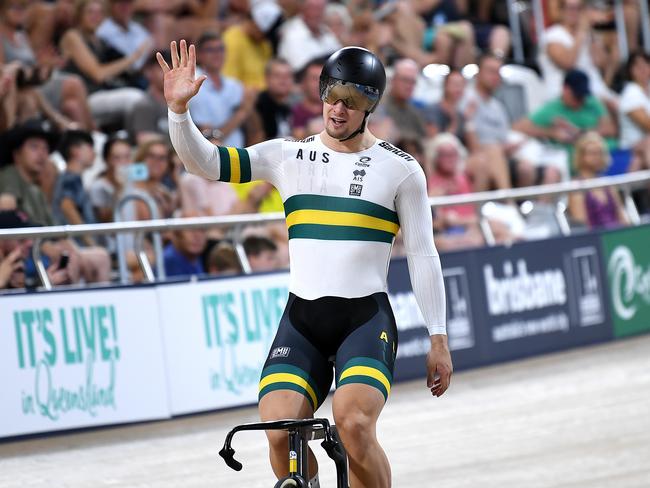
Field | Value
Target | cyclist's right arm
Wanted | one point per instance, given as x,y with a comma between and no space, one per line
262,161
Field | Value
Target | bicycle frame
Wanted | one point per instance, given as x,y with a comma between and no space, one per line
300,433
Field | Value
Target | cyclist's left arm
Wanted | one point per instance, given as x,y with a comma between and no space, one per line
422,256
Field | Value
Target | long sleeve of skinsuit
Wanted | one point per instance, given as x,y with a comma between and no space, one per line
422,256
236,165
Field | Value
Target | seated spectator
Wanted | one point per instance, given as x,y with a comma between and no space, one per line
247,49
104,70
71,203
489,23
45,23
567,45
148,117
271,117
494,163
456,226
156,156
122,33
600,207
223,260
306,36
397,103
445,115
183,254
105,190
221,104
603,16
181,19
261,253
634,111
59,97
29,147
307,114
14,253
564,119
340,23
432,32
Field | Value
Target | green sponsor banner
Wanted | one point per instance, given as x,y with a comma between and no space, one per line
80,358
627,259
217,335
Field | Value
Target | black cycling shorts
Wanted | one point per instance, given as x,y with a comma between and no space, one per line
355,336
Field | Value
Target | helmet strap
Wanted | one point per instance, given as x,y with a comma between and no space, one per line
359,130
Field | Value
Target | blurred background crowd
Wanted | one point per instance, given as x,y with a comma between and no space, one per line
83,121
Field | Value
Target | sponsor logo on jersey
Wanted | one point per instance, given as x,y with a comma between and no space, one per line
359,174
394,150
355,190
307,139
280,352
364,162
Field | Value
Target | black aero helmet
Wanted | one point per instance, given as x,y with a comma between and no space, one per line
359,68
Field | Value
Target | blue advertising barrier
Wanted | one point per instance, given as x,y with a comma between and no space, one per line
458,272
505,303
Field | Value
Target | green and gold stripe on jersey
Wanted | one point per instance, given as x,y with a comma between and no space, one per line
289,377
235,165
367,371
339,218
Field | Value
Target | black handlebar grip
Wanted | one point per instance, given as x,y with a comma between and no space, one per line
228,455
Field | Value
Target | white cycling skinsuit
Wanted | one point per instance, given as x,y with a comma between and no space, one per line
343,211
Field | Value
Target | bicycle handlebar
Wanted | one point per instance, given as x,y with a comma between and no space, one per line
228,453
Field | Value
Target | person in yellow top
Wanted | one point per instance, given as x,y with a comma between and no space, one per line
248,49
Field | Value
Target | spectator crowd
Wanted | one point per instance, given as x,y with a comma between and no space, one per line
83,120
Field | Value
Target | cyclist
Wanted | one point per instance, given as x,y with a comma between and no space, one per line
346,194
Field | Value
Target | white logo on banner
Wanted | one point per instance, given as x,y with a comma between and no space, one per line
519,290
628,280
586,279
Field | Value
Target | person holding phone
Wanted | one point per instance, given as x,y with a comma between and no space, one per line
14,254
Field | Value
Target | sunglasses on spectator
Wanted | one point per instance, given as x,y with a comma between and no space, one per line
157,157
213,49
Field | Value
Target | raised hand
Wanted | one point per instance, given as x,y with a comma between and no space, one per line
180,82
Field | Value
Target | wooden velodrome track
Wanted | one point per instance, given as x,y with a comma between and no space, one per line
578,419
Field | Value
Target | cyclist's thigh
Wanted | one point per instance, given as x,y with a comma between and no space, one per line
295,372
367,355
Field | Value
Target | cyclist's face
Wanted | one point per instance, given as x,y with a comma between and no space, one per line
341,121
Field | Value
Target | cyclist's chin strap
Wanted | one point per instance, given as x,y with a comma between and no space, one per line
359,130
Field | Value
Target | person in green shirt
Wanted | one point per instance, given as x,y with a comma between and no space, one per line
563,120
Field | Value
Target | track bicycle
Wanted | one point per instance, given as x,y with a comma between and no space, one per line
300,433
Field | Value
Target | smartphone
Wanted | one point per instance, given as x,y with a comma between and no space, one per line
138,172
63,261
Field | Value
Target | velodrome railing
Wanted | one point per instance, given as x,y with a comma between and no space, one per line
626,183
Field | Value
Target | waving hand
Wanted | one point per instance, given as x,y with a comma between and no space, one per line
180,82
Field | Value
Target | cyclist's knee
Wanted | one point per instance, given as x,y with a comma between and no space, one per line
357,429
278,440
